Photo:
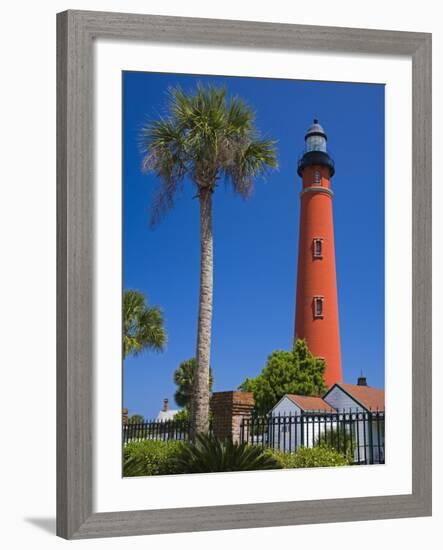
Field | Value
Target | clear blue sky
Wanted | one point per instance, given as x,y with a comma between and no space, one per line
256,241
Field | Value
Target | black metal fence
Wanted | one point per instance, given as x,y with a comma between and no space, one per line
164,430
358,435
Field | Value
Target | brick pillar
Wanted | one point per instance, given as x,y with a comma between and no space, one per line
228,409
125,416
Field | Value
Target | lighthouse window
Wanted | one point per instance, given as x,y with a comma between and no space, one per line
317,178
315,143
318,307
317,246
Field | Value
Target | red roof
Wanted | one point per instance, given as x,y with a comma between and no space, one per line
307,403
370,398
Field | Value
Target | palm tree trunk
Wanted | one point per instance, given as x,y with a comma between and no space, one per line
200,399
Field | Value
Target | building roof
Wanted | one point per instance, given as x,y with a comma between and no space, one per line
370,398
166,415
308,404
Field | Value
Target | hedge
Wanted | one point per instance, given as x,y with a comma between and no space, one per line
150,458
311,457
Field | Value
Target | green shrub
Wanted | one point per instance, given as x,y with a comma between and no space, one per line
315,457
338,439
209,454
150,458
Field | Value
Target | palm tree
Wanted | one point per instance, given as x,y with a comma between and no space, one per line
204,136
184,377
142,325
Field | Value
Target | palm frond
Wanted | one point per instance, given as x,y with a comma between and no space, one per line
209,454
184,377
240,118
164,148
151,332
204,135
143,326
250,162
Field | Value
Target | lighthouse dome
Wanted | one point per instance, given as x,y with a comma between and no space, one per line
315,137
315,129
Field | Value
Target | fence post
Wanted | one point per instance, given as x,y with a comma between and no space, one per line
302,430
229,408
370,438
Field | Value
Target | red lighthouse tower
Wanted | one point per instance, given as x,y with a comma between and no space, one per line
316,318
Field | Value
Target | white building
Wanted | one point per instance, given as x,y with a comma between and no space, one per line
298,421
367,406
166,413
353,414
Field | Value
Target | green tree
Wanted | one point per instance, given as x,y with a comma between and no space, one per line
296,371
182,416
142,325
184,378
136,419
204,136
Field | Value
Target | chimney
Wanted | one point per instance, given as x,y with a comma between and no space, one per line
165,405
361,381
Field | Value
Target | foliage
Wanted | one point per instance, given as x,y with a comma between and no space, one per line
296,371
149,458
310,457
142,325
206,136
136,419
209,454
336,439
184,377
182,416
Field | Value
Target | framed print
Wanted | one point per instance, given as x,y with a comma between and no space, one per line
230,364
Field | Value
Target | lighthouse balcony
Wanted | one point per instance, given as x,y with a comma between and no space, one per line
315,158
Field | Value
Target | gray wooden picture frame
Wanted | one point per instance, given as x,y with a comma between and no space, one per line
76,32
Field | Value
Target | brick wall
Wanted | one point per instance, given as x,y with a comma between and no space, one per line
228,409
